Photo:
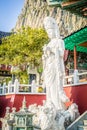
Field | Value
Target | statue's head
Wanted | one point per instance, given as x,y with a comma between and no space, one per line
51,27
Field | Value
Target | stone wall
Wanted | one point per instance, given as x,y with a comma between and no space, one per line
34,12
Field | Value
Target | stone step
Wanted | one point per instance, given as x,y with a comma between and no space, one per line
82,127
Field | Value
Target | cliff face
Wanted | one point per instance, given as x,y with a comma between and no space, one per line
34,11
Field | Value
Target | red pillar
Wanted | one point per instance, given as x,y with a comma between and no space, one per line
75,58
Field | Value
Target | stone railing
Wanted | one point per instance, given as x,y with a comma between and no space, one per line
76,79
17,88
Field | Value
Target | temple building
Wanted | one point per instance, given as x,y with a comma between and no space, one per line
78,7
77,43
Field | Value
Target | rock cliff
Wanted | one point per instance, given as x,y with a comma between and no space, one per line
34,12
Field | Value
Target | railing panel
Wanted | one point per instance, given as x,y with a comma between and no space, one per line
33,88
25,88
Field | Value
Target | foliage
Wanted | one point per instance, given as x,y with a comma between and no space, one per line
23,77
23,47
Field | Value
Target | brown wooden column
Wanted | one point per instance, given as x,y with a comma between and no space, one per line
75,58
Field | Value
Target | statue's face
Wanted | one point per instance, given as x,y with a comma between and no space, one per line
51,33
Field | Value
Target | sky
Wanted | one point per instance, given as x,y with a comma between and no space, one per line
9,12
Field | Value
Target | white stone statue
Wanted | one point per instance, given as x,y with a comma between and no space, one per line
47,117
53,65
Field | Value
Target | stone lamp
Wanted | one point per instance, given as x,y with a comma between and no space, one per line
23,118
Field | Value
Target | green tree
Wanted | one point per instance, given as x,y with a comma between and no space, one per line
23,47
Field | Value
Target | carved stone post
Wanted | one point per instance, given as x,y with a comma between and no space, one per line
16,86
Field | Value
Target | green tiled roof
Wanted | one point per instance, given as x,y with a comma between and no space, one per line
76,39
